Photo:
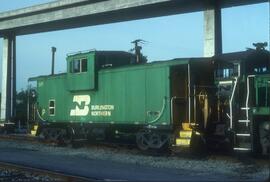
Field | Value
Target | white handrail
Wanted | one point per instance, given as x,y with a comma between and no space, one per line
160,112
231,100
172,99
248,92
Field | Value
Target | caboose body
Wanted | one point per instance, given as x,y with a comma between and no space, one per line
105,95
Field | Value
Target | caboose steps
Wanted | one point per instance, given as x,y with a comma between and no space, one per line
34,130
185,134
184,138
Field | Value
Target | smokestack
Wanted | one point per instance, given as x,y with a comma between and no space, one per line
53,57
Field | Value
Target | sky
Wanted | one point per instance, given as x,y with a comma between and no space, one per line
167,37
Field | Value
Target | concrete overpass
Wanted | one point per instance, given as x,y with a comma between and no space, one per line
65,14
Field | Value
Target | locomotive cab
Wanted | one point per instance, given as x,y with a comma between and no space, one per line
236,77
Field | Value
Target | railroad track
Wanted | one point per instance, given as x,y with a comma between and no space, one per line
107,145
25,173
25,137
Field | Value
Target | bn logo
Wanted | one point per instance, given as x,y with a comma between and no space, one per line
82,105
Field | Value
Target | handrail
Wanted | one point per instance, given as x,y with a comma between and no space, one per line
248,92
40,116
160,113
189,95
231,100
172,101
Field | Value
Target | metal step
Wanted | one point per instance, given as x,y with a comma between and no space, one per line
243,121
33,132
225,82
185,134
243,134
182,142
245,108
241,149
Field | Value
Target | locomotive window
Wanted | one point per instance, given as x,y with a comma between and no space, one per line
78,66
227,72
263,96
52,107
260,70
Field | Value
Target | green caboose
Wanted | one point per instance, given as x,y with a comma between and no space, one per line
107,95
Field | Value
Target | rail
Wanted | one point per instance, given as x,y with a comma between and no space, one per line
57,176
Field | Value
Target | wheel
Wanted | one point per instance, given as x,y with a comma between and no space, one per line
152,140
66,136
44,134
142,140
155,141
264,132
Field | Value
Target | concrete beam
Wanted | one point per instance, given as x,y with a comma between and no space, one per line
64,14
8,78
212,30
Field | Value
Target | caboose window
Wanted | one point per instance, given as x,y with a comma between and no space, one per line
83,65
51,107
78,66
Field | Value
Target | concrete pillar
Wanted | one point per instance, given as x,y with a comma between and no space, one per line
212,30
8,78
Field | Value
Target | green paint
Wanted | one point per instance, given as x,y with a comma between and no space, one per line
262,95
81,80
125,94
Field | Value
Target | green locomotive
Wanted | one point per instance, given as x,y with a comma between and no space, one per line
243,99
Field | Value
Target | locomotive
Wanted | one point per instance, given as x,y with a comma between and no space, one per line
118,96
243,98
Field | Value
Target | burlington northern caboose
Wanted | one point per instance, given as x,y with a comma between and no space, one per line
110,95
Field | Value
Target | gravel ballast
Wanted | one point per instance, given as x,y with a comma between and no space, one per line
246,169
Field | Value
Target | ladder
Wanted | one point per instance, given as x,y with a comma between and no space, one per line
243,135
243,128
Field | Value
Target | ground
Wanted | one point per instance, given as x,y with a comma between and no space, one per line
100,162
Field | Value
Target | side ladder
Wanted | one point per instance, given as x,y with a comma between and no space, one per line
243,134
